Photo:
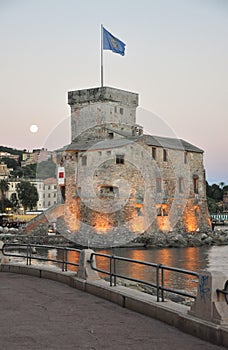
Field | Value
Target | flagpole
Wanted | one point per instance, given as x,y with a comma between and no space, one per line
102,78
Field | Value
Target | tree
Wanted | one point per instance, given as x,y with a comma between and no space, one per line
225,189
4,204
46,169
14,200
212,206
215,195
4,187
27,194
11,163
216,192
222,184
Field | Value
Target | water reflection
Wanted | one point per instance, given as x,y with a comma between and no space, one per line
192,258
218,259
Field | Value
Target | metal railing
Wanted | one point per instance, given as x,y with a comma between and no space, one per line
30,252
159,282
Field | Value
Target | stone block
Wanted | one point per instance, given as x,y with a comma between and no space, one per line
211,305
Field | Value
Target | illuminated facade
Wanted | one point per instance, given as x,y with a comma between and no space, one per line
118,179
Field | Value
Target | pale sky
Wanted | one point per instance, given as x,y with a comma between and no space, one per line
176,59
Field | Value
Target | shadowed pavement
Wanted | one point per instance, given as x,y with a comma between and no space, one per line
44,314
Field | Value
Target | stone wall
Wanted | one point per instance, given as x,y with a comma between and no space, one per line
94,107
114,188
104,197
40,223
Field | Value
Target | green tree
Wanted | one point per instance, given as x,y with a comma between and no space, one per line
216,192
27,172
222,184
18,172
11,163
14,200
4,187
27,194
11,150
215,195
46,169
212,206
225,189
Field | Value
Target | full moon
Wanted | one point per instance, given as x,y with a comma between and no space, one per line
33,128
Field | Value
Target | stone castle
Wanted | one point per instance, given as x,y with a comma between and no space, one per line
117,182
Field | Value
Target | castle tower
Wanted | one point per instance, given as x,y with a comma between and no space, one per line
118,182
100,106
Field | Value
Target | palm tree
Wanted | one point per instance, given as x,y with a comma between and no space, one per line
4,187
222,184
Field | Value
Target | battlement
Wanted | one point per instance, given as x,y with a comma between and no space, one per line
103,94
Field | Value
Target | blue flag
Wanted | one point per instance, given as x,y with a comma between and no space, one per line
112,43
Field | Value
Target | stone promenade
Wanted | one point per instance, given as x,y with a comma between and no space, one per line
42,314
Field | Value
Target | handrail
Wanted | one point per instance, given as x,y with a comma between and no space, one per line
30,254
160,269
158,284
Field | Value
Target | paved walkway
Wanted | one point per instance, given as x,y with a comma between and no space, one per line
44,314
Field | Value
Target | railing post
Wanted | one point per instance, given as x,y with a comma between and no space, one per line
63,257
114,271
86,263
66,259
28,254
110,267
27,248
157,280
162,283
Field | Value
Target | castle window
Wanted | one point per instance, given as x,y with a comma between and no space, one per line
165,154
120,159
109,191
108,153
115,109
196,184
154,153
181,184
158,185
138,131
63,193
84,160
185,157
162,210
121,111
110,135
100,153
